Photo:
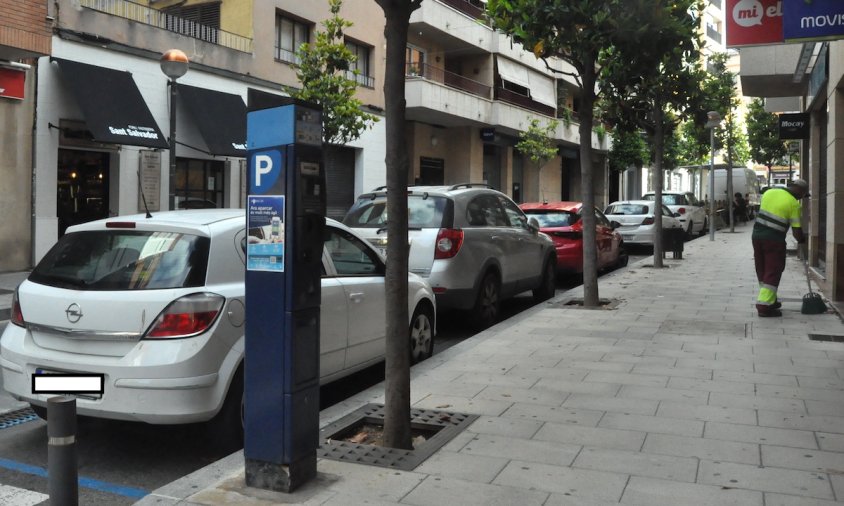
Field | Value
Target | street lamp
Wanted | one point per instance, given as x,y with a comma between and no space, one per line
713,121
174,64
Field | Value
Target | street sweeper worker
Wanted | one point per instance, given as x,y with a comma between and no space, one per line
779,210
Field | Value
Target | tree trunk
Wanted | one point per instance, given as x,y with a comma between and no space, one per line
397,355
590,244
658,141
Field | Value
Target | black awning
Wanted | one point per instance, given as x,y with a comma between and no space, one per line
115,111
220,118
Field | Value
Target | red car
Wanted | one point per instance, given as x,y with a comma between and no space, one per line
562,221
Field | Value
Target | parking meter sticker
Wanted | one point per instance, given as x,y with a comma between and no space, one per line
264,170
265,243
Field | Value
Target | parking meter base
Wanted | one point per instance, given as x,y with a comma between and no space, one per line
280,477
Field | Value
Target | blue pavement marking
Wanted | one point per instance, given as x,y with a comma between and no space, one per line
83,482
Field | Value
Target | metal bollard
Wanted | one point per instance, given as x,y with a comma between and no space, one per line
62,472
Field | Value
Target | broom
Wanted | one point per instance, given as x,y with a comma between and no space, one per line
812,302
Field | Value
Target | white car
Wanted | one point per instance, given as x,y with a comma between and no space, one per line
692,214
157,306
637,220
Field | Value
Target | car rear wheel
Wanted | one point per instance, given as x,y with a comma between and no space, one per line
548,285
485,312
705,228
225,430
690,232
421,334
623,257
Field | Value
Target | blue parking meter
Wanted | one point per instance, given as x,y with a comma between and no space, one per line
285,216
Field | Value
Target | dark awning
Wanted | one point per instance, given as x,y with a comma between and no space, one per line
115,111
220,118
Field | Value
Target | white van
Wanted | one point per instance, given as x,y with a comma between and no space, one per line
744,182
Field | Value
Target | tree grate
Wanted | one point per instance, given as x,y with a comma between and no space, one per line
826,337
17,417
440,426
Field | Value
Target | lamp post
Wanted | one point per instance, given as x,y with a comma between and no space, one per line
174,64
713,120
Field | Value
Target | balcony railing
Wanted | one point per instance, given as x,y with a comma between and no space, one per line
523,101
449,79
466,7
713,33
153,17
363,80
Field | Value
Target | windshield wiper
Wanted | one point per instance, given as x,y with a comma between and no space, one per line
64,280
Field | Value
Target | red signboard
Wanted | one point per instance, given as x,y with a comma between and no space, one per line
754,22
12,83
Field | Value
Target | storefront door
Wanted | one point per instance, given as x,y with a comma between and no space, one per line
82,189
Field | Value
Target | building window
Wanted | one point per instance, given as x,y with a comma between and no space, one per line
361,65
290,34
415,61
199,184
201,21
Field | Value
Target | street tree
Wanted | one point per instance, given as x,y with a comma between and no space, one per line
648,85
766,148
323,71
578,33
628,150
537,143
397,355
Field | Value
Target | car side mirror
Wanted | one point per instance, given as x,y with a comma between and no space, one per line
533,224
614,224
676,215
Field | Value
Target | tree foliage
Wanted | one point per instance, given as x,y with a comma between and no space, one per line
766,148
537,142
323,70
628,150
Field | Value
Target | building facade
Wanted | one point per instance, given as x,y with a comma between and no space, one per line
24,36
102,125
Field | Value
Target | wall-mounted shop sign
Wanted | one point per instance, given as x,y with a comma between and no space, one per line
794,126
813,20
149,181
754,22
12,83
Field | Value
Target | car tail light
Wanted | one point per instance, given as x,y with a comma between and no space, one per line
575,234
449,241
648,221
682,210
187,316
17,315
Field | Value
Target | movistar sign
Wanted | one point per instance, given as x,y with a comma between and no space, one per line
813,20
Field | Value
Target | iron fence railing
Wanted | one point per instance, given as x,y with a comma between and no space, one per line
523,101
154,17
447,78
472,8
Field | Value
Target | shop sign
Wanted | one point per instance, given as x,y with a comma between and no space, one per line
12,83
149,181
794,126
754,22
813,20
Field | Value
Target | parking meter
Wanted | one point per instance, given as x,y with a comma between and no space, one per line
285,217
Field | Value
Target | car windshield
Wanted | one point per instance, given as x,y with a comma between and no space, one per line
124,260
553,218
668,199
627,209
423,211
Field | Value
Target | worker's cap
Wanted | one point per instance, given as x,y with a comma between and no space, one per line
799,183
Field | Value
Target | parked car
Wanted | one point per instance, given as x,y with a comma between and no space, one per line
692,211
472,243
563,222
157,306
637,220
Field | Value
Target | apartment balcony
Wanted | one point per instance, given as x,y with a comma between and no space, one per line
447,78
152,17
472,8
525,102
713,33
452,24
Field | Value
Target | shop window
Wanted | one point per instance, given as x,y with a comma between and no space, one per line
198,184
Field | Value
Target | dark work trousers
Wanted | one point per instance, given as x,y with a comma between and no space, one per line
769,257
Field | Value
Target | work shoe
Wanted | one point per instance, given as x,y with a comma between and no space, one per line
770,313
776,305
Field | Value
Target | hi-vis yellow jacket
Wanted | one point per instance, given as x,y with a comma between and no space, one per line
778,211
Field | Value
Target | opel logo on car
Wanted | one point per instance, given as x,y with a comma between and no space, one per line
73,312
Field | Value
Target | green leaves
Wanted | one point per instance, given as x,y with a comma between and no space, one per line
537,142
323,70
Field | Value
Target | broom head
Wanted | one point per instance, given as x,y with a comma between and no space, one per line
813,304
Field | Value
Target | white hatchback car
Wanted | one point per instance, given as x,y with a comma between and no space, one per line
637,220
692,215
157,306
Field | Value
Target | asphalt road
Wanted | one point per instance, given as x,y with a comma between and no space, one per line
119,462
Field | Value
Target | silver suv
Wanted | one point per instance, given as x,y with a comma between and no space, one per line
472,243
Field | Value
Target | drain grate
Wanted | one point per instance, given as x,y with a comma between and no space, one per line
17,417
444,425
826,337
